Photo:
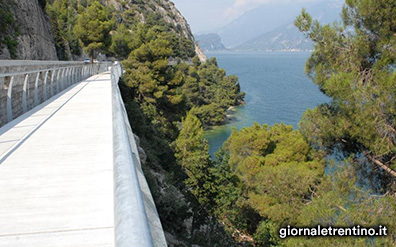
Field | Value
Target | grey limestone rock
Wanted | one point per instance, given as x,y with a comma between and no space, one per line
35,41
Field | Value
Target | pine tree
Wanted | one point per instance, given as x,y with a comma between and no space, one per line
192,153
354,64
93,29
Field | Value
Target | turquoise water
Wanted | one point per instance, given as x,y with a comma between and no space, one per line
277,90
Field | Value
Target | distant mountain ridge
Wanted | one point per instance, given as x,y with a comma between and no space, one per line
257,21
210,42
284,38
270,27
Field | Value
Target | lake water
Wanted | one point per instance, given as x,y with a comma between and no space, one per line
277,90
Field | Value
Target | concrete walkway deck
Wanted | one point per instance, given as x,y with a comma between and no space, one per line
56,171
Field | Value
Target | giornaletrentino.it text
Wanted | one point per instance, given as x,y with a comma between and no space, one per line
328,231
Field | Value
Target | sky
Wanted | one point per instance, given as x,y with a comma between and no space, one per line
208,15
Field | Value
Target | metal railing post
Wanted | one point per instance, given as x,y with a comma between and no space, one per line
58,81
45,96
36,85
24,93
9,100
52,85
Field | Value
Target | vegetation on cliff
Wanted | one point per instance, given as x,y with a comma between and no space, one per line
63,16
262,178
93,29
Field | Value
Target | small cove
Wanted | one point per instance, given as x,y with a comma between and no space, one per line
277,90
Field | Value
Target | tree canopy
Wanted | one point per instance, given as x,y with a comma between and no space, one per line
167,86
63,15
354,63
192,152
93,29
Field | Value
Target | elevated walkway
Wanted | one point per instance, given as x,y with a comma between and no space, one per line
56,172
60,175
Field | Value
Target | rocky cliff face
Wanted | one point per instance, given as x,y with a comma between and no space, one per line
31,31
173,16
168,12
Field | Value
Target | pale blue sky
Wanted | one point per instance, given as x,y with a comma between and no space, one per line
206,15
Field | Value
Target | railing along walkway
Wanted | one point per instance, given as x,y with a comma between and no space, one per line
64,183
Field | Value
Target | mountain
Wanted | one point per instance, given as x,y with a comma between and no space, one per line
287,36
258,21
210,42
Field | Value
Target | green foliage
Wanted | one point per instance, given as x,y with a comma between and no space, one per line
153,81
273,171
192,153
354,64
210,91
167,91
267,235
172,205
11,45
212,114
173,193
340,202
93,29
121,43
277,167
63,16
262,179
231,206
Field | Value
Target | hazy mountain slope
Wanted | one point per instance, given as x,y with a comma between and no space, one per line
257,21
210,42
287,37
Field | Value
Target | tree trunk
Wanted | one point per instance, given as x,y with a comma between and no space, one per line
380,164
91,56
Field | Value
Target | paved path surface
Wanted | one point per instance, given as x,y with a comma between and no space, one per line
56,171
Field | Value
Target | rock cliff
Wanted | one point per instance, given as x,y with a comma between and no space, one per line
167,11
29,29
174,17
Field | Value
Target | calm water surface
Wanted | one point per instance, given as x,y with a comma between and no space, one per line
277,90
